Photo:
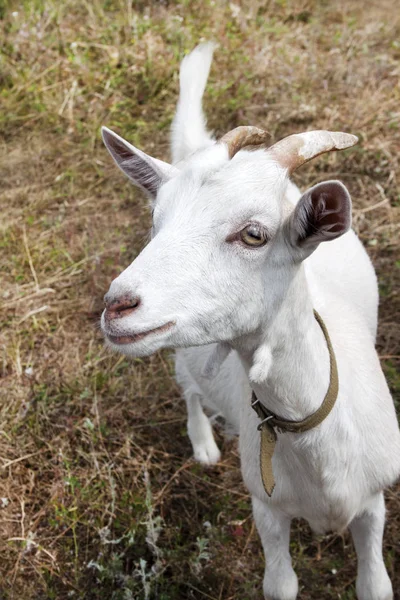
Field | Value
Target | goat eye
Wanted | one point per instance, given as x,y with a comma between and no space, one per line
253,235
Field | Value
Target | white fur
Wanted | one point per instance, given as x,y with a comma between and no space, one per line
188,127
259,303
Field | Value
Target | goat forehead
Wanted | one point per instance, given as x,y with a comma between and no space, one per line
249,186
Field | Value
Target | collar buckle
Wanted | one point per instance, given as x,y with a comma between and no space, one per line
259,426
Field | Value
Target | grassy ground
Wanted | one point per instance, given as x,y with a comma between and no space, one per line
99,497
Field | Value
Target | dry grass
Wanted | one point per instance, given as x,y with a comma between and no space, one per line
99,498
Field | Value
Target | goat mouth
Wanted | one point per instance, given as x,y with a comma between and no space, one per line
120,340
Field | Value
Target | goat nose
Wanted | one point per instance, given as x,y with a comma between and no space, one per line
121,306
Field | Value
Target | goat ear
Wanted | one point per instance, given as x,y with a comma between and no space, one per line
322,214
144,171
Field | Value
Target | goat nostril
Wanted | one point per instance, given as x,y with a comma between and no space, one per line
125,305
120,307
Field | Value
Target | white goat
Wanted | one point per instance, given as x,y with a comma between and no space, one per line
235,262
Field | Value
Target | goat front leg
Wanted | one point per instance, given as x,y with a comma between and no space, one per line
373,582
280,580
200,431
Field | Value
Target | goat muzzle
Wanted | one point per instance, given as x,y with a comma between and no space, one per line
117,308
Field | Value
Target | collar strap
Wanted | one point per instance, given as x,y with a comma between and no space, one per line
270,421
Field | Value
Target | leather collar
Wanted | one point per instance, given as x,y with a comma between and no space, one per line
270,422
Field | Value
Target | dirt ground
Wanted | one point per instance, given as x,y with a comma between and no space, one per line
99,495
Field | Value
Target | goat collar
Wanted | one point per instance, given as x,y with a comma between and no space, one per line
270,421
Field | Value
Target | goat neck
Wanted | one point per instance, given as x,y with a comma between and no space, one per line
287,359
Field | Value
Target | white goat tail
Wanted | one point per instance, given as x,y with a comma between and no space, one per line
188,132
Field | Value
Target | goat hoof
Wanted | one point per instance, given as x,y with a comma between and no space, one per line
281,587
207,453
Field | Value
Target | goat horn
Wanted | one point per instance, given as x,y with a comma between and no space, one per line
295,150
240,137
